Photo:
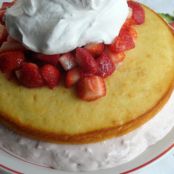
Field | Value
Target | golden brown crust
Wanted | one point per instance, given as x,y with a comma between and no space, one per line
91,136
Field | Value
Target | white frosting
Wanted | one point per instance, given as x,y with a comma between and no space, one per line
59,26
106,154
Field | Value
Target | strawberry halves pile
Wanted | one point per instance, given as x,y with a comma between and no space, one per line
85,68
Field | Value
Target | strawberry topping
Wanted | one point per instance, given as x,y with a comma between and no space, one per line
29,75
72,77
123,42
95,49
67,61
11,45
51,59
105,66
138,14
51,75
3,34
11,60
2,12
86,61
172,25
91,88
6,5
116,57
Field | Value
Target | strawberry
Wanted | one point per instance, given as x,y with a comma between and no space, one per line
138,14
91,88
11,60
116,57
2,12
96,49
86,61
123,42
3,33
105,66
51,59
133,33
67,61
11,46
29,75
6,5
51,75
72,77
172,25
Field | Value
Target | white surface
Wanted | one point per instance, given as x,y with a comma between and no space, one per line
53,27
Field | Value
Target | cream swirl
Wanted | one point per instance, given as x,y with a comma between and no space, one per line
59,26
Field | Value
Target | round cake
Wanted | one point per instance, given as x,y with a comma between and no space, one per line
138,89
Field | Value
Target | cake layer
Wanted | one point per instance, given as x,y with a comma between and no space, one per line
137,90
88,157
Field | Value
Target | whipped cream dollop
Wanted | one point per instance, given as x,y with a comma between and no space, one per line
59,26
88,157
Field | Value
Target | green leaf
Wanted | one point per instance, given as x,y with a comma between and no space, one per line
167,17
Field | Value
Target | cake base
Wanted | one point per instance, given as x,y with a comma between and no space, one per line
107,154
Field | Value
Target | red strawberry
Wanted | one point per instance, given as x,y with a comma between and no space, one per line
138,14
172,25
133,33
6,5
86,61
67,61
11,60
51,75
72,77
2,12
105,66
116,57
3,34
51,59
91,88
11,45
29,75
123,42
96,49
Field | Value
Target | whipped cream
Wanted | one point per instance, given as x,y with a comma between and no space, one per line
88,157
59,26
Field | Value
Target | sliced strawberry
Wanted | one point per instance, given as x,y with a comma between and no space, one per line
105,66
172,25
11,46
123,42
91,88
96,49
3,34
29,76
116,57
2,12
72,77
11,60
138,14
133,33
6,5
67,61
51,59
86,61
51,75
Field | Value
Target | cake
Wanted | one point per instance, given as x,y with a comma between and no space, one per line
136,91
